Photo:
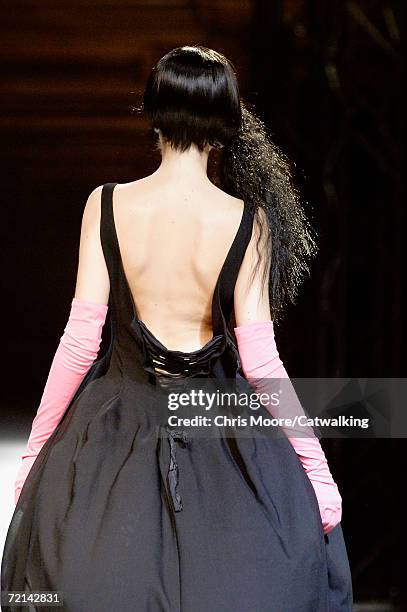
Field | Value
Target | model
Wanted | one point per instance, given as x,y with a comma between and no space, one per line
117,510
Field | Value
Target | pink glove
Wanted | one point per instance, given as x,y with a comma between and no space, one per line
77,350
261,363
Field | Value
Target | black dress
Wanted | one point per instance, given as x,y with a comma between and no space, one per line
121,519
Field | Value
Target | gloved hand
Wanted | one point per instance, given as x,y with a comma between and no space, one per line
261,363
77,350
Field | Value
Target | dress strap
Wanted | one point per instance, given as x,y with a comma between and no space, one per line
223,299
117,301
107,232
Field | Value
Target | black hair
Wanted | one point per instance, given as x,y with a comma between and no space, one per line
192,96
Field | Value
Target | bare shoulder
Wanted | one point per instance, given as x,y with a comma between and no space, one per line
138,186
140,191
91,212
131,185
228,208
226,197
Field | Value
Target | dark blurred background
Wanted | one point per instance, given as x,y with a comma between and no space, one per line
325,76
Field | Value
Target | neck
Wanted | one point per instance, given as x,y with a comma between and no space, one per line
189,166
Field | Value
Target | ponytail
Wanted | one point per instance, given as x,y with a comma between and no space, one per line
253,168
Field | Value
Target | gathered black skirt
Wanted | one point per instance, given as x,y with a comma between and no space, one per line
127,518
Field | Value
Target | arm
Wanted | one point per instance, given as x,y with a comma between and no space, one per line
261,364
80,343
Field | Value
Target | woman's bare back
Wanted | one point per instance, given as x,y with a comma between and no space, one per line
173,240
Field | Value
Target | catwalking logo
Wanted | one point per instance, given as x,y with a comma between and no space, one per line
306,421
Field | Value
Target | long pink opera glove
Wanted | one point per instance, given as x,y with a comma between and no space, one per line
261,363
77,350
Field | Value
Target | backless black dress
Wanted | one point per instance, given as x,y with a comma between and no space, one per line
121,519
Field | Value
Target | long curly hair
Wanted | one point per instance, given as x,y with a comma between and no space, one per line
192,96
